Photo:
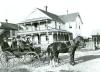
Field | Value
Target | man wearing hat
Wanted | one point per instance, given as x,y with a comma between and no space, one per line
5,46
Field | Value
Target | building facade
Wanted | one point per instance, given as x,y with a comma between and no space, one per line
44,27
73,23
8,30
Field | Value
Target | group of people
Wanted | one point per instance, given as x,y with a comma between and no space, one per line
16,42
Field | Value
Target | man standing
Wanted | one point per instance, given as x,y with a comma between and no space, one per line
74,46
5,46
14,43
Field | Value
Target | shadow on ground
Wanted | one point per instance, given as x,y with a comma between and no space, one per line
68,71
64,71
87,58
20,70
14,70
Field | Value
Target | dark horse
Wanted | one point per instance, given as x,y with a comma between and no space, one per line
58,47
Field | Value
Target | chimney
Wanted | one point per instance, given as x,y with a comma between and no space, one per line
6,20
46,7
67,12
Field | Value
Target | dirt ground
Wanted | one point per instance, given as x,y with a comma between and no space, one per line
86,61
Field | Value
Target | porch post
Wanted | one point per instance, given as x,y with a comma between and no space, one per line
39,39
31,26
47,31
68,36
11,33
52,36
39,25
25,26
57,36
64,36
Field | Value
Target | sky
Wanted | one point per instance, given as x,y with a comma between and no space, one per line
17,10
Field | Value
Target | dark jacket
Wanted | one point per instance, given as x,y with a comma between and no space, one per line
4,46
14,44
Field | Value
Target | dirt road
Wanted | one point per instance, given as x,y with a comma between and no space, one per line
87,61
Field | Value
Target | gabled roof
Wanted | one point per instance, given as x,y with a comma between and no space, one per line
9,26
70,17
51,15
35,19
62,18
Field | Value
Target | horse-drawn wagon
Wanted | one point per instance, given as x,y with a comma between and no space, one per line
21,52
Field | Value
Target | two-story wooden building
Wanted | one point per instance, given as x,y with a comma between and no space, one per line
44,27
8,30
73,23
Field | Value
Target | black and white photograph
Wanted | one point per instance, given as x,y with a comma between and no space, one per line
49,36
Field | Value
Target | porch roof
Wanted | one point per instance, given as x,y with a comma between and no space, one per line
9,26
43,31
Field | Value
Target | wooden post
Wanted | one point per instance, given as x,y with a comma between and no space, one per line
25,26
39,25
53,36
46,24
55,25
47,31
31,26
68,36
57,36
39,39
11,33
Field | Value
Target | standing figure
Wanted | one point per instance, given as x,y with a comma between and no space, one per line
5,46
19,43
28,42
74,46
14,43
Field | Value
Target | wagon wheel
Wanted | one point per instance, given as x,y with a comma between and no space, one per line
5,59
31,56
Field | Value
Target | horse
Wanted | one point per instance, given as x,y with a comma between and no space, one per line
55,48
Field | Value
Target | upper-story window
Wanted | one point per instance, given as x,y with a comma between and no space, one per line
28,25
55,25
59,25
70,26
79,26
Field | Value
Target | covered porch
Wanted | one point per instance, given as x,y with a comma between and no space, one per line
48,36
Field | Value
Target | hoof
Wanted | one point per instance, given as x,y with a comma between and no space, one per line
72,63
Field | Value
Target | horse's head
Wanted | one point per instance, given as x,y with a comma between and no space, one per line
78,39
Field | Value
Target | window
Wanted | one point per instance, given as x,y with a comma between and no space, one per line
55,25
47,38
70,26
79,26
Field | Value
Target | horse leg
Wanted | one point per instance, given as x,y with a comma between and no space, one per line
51,58
56,57
72,53
44,53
